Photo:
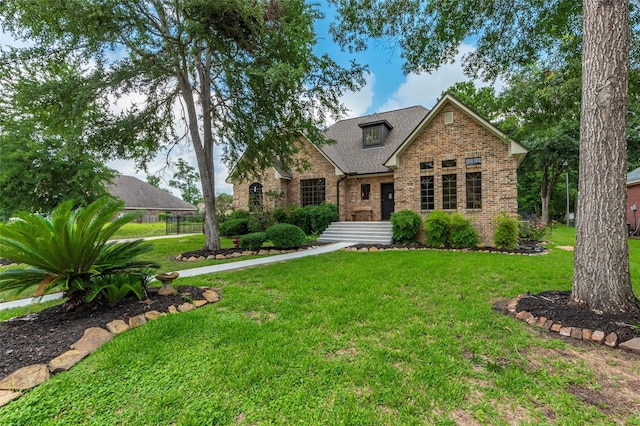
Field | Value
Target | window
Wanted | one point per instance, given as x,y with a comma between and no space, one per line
372,136
312,192
365,191
448,163
473,161
255,195
474,190
426,193
426,165
449,187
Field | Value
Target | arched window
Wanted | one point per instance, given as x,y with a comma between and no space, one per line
255,195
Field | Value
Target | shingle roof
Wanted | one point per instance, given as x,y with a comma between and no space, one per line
348,153
633,176
139,195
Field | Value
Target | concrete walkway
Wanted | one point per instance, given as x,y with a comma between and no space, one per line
206,270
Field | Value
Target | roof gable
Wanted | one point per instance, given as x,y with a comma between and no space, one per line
348,153
140,195
515,149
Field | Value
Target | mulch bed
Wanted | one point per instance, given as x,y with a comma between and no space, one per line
553,305
525,247
39,337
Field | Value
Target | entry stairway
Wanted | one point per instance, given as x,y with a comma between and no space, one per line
358,232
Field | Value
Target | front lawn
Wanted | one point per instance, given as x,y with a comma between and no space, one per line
393,338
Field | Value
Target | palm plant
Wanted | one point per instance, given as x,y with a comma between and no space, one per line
70,251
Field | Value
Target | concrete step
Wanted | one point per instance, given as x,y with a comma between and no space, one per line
358,232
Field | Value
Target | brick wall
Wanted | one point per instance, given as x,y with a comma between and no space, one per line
320,168
633,197
355,207
462,139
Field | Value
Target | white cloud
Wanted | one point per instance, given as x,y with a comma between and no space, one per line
426,88
358,102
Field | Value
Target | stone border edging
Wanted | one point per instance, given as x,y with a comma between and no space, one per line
594,336
28,377
375,249
261,252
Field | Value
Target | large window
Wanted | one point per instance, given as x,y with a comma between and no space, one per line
474,190
449,188
255,195
312,192
426,193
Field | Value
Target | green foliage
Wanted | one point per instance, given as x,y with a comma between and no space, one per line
505,235
461,233
286,236
114,288
224,207
70,250
186,179
321,217
532,230
233,227
406,226
239,214
436,228
253,241
162,217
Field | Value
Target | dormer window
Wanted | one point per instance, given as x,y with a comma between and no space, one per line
375,133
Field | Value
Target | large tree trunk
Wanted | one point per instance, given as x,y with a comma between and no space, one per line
601,279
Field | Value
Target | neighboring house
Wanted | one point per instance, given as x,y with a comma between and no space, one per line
139,195
447,158
633,200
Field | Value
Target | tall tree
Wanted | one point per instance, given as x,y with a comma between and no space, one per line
511,35
601,279
186,179
244,73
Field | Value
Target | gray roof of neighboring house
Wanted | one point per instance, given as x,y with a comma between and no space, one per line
633,176
349,155
139,195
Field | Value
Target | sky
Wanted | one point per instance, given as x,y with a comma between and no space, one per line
387,88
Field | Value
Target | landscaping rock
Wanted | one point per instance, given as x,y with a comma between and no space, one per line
211,296
186,307
565,331
220,256
556,327
632,345
137,321
586,334
597,336
25,378
611,340
67,360
151,315
576,333
92,339
117,326
8,396
199,303
172,309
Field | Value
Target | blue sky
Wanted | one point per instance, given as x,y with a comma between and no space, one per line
387,88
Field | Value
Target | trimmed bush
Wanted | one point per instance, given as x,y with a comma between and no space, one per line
301,218
239,214
461,233
252,241
436,228
286,236
406,226
505,236
321,216
234,227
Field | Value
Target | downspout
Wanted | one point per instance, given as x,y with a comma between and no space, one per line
338,196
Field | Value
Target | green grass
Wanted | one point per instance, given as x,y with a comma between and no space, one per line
391,338
140,230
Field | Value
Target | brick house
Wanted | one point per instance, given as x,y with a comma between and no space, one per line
633,200
446,158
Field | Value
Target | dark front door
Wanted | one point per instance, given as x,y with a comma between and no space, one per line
386,190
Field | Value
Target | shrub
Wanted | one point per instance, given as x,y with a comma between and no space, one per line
436,228
286,236
406,226
70,251
532,230
234,227
162,217
300,217
461,233
505,236
253,241
321,216
239,214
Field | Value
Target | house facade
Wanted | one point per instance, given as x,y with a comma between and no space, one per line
448,158
633,201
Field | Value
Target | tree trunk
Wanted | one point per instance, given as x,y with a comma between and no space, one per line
601,279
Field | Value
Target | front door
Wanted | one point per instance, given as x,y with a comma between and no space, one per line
386,190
